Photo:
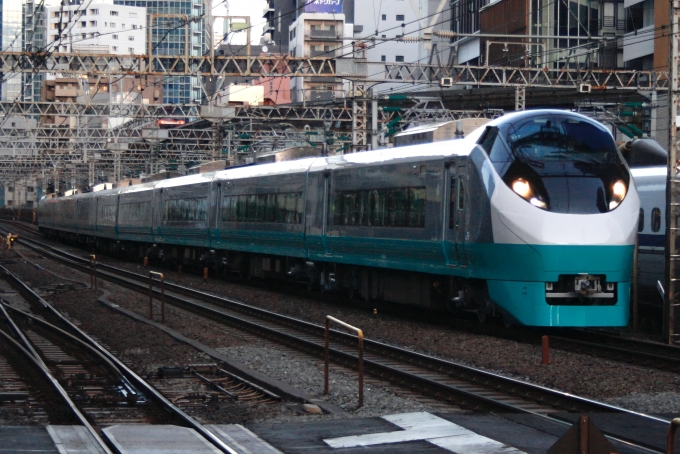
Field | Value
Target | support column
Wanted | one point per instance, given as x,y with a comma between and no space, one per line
359,117
374,123
520,98
672,256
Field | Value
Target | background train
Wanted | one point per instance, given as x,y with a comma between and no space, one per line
532,217
648,162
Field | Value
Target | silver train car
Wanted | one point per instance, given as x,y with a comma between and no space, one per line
532,217
648,162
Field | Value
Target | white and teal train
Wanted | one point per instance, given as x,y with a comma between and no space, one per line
532,217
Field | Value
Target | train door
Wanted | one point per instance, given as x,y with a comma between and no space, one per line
455,218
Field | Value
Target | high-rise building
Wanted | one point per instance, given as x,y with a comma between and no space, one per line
11,40
279,15
34,41
168,37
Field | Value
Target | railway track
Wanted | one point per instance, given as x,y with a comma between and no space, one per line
591,342
94,385
460,385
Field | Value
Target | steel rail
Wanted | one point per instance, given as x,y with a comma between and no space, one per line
467,399
128,373
38,363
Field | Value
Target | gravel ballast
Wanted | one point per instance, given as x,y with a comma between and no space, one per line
634,387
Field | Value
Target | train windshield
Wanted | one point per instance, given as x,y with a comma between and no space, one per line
560,163
554,139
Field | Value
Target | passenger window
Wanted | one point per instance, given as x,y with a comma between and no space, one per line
641,220
281,208
461,194
656,220
394,207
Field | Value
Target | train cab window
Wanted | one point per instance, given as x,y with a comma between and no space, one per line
656,220
641,220
498,153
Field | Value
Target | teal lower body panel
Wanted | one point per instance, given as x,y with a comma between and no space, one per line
182,236
526,303
423,256
130,233
532,262
291,244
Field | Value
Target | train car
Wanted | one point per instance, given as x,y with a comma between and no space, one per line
649,166
134,217
532,217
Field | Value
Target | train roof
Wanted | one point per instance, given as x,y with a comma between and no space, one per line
421,152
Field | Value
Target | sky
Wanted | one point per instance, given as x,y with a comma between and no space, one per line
252,8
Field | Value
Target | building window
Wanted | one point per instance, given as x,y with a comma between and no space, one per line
114,48
115,36
113,25
400,17
83,36
134,27
384,17
29,188
93,23
10,189
399,58
83,24
131,38
131,50
384,36
10,202
133,14
94,12
113,13
383,58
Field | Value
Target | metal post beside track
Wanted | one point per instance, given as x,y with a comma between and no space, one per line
636,276
360,335
672,429
93,272
162,286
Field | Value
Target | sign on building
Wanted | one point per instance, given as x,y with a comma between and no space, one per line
324,6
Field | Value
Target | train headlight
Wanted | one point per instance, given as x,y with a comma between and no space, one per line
524,190
522,187
619,190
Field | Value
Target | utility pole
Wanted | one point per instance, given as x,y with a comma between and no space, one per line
672,255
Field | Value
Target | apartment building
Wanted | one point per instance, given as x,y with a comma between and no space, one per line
319,31
100,27
23,191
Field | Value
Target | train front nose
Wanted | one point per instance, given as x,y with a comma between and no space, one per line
565,211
